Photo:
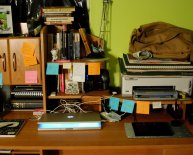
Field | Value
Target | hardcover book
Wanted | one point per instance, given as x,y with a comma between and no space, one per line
58,9
57,23
10,128
59,19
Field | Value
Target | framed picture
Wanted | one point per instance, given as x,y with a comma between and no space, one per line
6,23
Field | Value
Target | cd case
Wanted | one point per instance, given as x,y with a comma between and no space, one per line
10,128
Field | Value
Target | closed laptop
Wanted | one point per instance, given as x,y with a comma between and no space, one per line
69,121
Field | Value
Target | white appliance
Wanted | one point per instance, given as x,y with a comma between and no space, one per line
180,83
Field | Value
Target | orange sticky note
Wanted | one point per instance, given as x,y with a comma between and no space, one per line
28,48
28,52
30,62
94,68
142,107
31,77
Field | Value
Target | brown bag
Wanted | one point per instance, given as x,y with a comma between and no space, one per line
163,40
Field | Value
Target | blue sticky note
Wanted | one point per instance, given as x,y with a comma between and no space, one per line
127,106
114,103
1,79
52,69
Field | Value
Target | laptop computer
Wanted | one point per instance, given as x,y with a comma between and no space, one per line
69,121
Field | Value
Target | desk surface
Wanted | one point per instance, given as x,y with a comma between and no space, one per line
112,136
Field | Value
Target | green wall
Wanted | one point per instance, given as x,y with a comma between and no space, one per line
129,14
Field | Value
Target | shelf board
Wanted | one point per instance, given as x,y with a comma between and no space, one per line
65,96
79,96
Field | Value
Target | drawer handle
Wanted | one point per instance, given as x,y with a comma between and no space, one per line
4,62
14,62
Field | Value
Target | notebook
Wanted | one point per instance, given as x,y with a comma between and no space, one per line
70,121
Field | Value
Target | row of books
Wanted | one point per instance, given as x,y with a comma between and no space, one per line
71,44
67,43
63,83
172,68
58,15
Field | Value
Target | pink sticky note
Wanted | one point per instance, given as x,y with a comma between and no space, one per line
31,77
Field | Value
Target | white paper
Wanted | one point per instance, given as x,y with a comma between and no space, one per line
78,72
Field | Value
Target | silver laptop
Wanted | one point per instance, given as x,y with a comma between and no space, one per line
70,121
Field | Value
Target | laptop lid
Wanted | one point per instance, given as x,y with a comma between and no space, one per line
69,121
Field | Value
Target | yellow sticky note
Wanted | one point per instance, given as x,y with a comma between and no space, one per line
142,107
94,68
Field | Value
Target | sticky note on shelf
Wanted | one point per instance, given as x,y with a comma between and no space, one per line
94,68
52,69
78,72
127,106
67,65
1,79
142,107
156,105
31,77
28,52
114,103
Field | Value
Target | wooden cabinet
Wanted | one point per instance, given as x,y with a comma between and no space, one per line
12,67
4,62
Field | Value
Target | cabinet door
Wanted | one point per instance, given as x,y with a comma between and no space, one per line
21,73
4,62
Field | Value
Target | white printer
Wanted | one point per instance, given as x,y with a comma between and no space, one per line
180,83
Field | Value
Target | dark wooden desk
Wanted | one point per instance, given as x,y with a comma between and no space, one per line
110,140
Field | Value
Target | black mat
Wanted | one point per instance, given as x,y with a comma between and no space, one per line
155,129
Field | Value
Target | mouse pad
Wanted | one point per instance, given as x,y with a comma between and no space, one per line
155,129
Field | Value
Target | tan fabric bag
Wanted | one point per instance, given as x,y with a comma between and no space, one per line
163,40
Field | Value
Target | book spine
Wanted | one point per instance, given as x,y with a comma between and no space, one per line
61,80
70,45
77,45
57,14
60,19
61,10
85,41
64,50
26,105
57,23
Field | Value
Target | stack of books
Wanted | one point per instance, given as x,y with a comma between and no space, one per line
58,15
158,67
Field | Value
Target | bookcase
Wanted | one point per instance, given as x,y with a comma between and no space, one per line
50,82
